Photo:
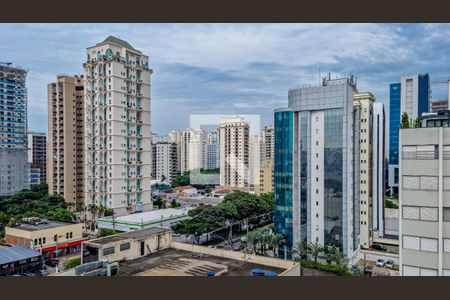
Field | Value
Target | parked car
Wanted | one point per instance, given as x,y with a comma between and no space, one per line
368,271
380,263
41,273
379,247
51,262
27,273
86,252
390,264
238,247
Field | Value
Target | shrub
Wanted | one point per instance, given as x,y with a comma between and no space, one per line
72,263
340,270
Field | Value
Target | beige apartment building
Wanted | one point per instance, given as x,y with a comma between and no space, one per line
424,194
65,163
234,153
118,132
365,101
266,177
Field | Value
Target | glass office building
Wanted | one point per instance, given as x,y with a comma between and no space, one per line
411,95
314,175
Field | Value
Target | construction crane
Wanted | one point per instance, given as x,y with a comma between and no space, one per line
5,63
443,80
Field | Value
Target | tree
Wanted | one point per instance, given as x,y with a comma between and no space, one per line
405,120
340,258
276,239
301,249
315,250
330,252
208,189
163,178
174,204
417,123
106,232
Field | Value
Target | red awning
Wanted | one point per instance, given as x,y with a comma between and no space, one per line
64,245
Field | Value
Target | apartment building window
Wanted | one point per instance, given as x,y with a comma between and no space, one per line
420,152
419,243
420,213
420,183
446,214
416,271
447,245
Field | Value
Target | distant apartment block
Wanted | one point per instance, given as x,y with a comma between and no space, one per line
165,161
438,105
425,198
14,171
234,153
37,154
268,142
118,127
65,163
265,177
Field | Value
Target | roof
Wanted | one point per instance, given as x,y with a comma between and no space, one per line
16,253
148,216
117,41
187,187
134,235
174,262
42,226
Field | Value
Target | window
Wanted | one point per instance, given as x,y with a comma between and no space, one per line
428,213
420,213
429,245
447,245
70,235
43,240
67,235
109,250
124,247
446,214
35,242
55,238
411,242
420,243
411,212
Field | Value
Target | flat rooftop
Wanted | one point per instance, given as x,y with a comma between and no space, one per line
134,235
149,216
174,262
41,226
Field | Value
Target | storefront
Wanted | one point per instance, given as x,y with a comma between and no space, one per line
62,249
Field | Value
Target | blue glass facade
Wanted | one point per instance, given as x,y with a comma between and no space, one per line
283,174
394,121
424,93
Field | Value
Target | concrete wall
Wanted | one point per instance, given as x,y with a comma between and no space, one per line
241,256
150,246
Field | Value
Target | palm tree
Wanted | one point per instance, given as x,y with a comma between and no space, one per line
277,240
340,258
330,252
315,249
301,249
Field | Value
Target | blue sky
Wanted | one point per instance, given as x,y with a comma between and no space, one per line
232,68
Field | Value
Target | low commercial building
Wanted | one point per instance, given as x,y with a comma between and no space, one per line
152,252
127,246
160,217
53,238
18,259
425,198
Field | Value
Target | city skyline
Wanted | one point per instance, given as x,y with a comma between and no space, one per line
234,68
